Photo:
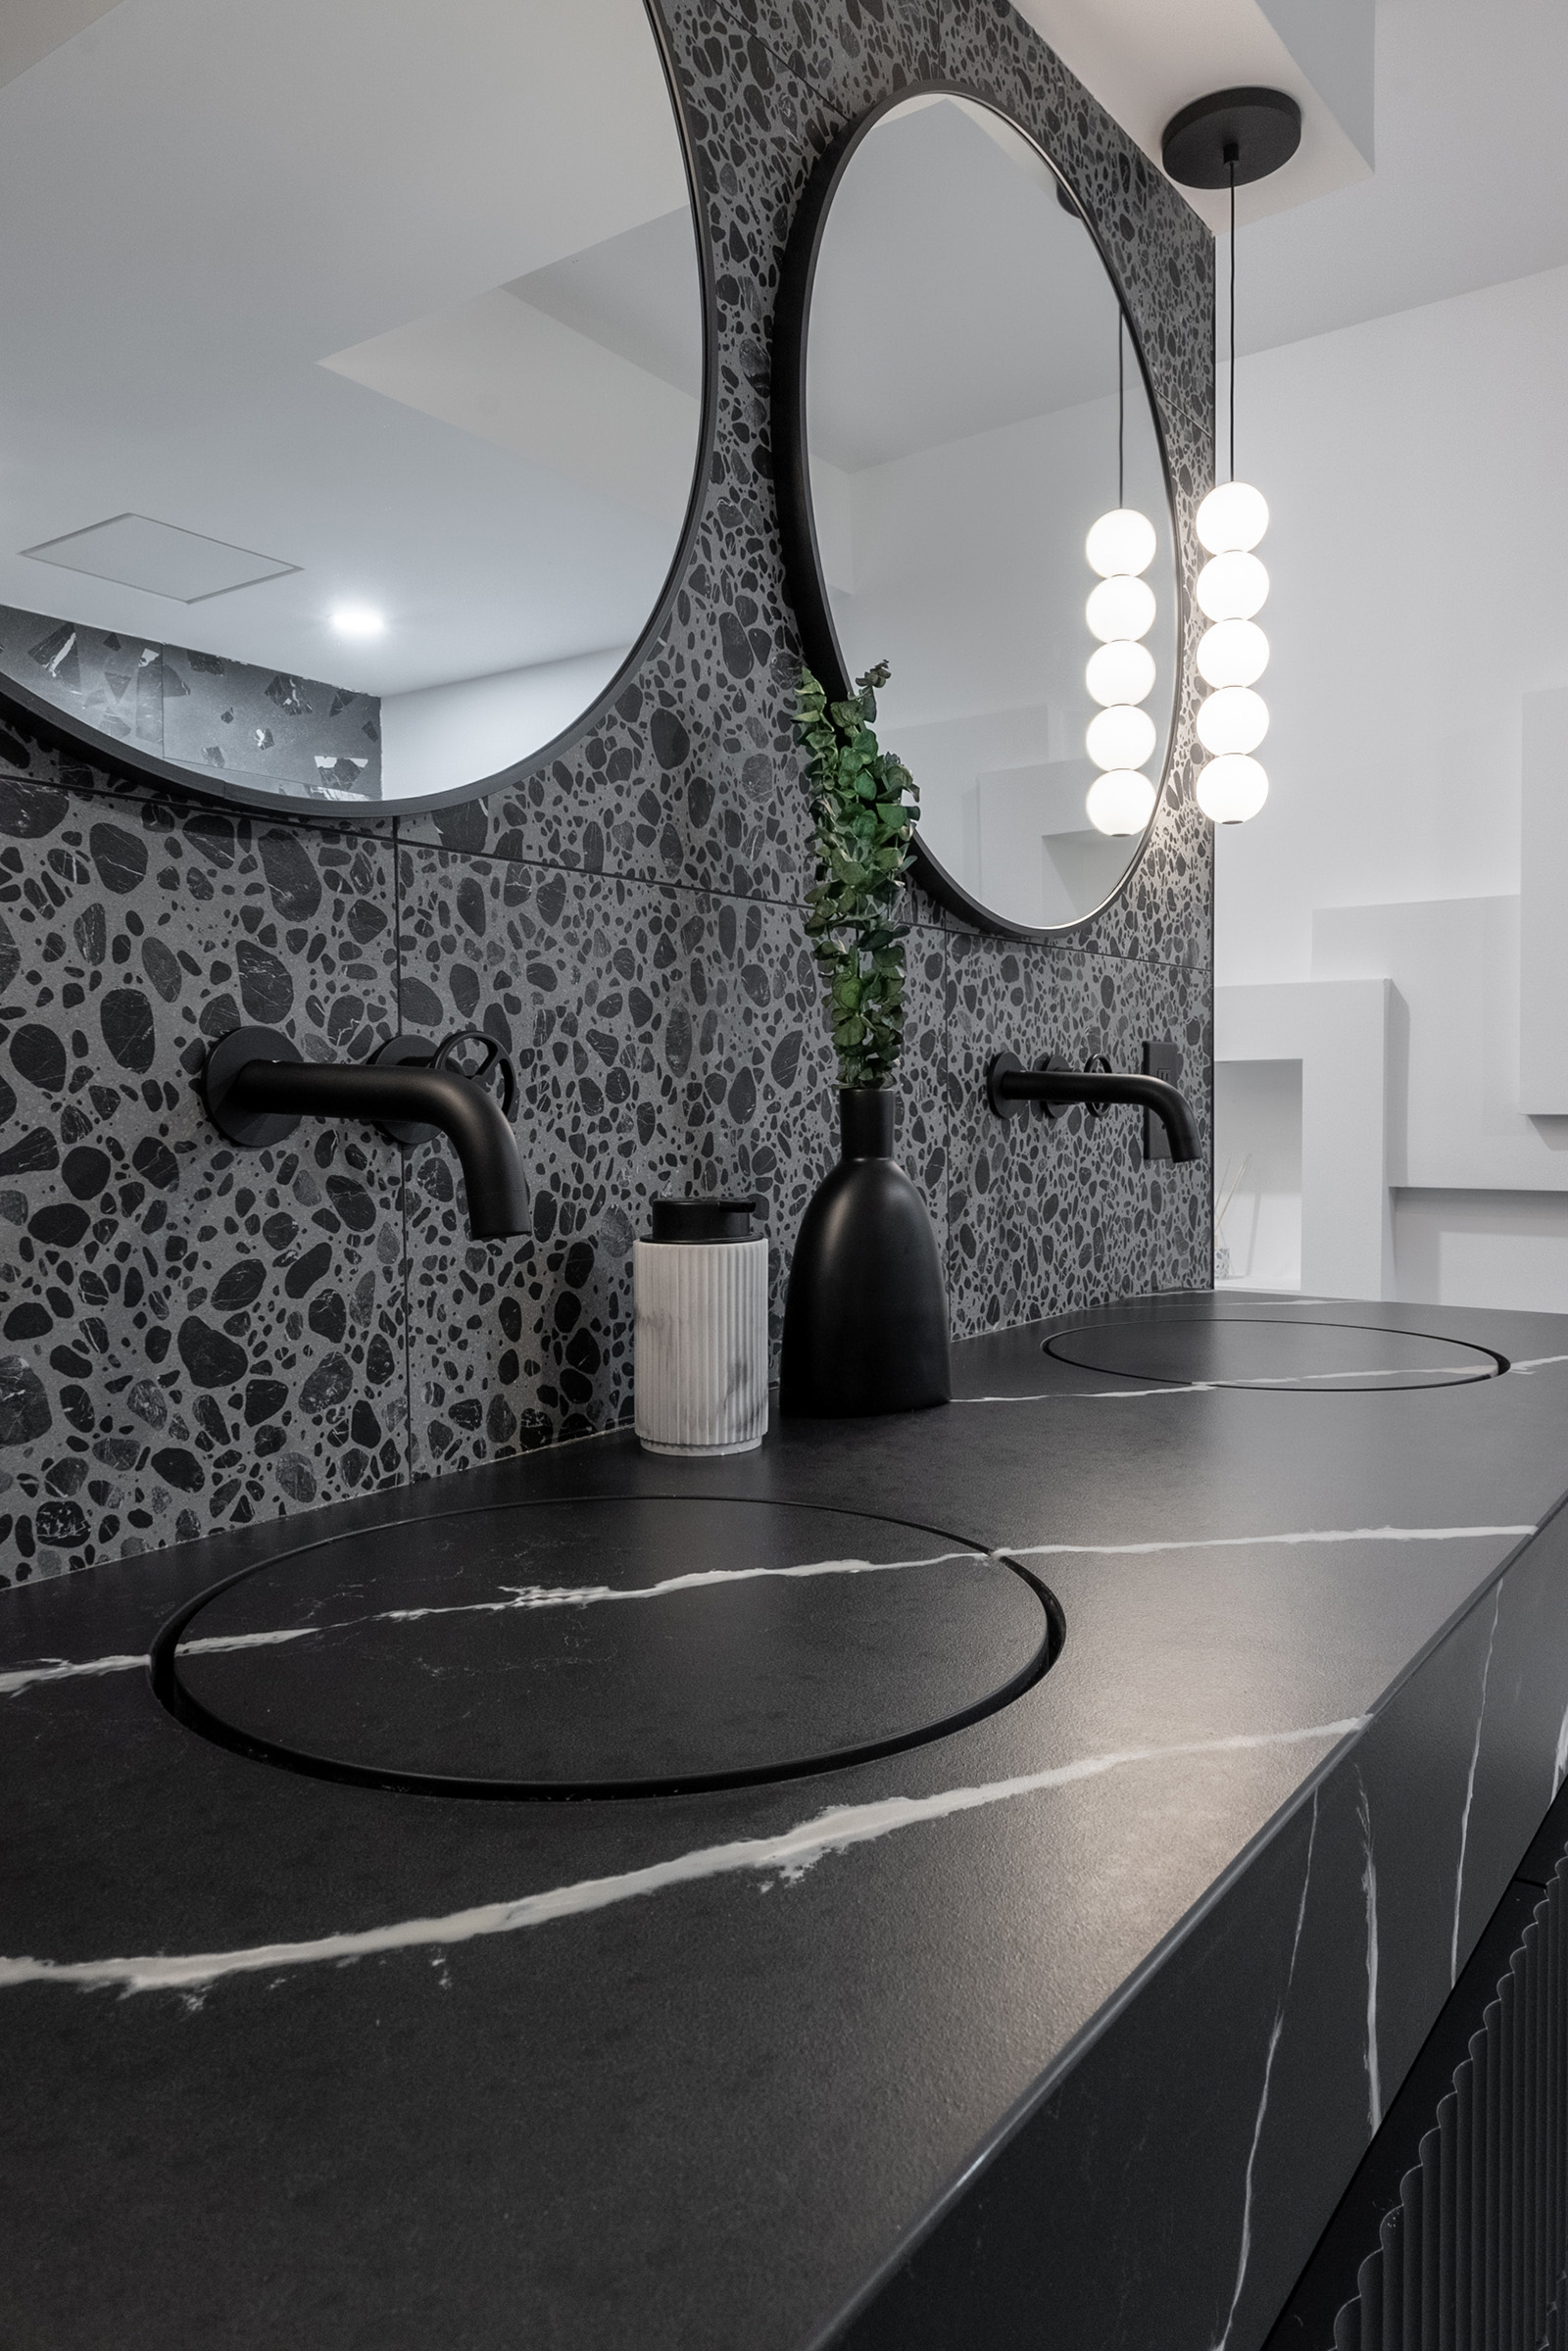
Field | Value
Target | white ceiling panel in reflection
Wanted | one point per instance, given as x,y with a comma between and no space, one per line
135,551
635,293
1023,328
498,367
203,206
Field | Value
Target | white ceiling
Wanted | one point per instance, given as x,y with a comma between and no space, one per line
205,203
31,28
954,294
1470,185
634,294
1145,60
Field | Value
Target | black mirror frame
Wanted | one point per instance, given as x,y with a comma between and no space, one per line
44,722
803,563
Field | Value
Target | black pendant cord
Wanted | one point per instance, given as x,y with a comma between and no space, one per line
1232,162
1121,410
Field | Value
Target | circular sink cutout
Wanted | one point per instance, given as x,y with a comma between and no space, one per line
1318,1358
606,1647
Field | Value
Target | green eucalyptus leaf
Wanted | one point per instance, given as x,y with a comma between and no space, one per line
864,810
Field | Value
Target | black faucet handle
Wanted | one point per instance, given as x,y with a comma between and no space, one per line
1053,1087
496,1057
1102,1063
418,1052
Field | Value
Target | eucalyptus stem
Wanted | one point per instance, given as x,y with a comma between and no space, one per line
864,812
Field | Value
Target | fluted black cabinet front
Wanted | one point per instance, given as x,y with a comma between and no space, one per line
1453,2235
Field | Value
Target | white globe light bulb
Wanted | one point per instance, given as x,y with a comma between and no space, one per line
1230,789
1120,802
1232,518
1120,672
1233,653
1121,542
1120,607
1230,587
1120,737
1233,719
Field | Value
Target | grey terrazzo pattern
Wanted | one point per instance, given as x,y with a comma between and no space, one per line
655,871
1066,1211
651,1027
189,1336
303,735
113,682
226,719
665,1040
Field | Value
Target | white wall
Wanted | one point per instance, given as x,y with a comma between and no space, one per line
1418,551
1301,1088
1418,554
1483,1248
443,736
1257,1178
1543,930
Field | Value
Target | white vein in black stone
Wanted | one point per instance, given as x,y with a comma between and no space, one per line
1246,2253
1470,1790
567,1595
786,1856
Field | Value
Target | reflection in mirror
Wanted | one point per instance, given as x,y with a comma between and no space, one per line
350,395
973,407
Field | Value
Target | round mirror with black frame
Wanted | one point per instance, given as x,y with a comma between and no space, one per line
972,487
356,393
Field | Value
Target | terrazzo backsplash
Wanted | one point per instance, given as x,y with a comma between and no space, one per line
194,1336
223,718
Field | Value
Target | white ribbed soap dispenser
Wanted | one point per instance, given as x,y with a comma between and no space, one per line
701,1350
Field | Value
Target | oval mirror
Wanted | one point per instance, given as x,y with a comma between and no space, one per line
959,401
352,390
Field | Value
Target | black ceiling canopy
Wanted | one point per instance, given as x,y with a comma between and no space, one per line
1253,131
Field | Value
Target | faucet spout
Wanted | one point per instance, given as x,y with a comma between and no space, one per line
257,1088
1010,1088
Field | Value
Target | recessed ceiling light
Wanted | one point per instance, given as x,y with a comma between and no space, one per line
357,620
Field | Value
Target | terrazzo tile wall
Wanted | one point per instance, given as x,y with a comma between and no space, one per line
301,735
193,1336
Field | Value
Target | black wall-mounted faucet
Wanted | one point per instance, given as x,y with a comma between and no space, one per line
257,1087
1011,1089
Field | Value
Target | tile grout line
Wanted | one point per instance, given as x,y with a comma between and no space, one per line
631,878
403,1162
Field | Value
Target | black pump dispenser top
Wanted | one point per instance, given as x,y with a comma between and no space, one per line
702,1219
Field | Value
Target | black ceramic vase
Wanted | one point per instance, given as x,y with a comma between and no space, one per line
865,1321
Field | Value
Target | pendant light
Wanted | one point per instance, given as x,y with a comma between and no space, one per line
1120,676
1227,141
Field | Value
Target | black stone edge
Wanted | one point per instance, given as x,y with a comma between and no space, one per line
191,1714
1206,1322
60,731
1073,2053
797,519
1329,2279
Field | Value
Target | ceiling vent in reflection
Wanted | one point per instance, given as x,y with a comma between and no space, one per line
135,552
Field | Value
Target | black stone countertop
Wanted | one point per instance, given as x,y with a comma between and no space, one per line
1069,2026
